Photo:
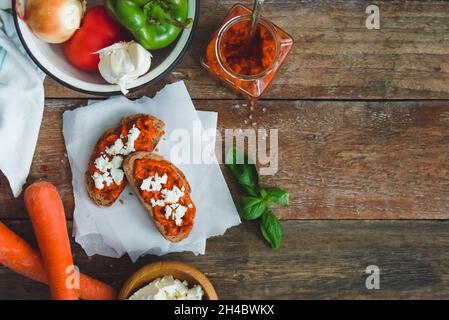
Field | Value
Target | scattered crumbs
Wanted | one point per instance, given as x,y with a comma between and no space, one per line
236,106
264,109
250,116
251,108
240,130
62,161
254,124
244,105
121,201
245,121
111,266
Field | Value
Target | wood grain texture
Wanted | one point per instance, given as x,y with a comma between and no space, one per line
335,56
318,260
339,160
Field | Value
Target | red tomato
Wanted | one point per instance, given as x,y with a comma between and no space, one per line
97,31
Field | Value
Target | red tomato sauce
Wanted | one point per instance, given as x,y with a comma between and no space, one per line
248,58
144,142
144,168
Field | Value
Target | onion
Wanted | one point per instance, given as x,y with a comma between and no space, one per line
54,21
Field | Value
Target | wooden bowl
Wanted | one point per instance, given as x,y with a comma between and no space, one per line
178,270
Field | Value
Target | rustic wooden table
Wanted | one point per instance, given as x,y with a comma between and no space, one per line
363,118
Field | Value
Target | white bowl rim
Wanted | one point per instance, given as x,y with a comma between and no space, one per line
115,92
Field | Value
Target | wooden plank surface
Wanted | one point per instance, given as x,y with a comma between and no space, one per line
335,56
339,160
350,159
318,260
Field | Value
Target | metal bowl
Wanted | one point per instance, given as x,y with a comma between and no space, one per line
50,58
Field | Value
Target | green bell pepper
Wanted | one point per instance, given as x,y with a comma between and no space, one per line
155,24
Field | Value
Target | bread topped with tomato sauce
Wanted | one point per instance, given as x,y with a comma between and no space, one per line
105,179
164,191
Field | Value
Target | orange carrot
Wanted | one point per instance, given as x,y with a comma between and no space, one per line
48,218
18,256
92,289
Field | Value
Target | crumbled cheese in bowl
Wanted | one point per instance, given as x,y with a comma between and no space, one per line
168,288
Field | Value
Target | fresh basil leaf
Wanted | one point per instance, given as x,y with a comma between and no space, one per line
275,195
271,229
245,172
252,207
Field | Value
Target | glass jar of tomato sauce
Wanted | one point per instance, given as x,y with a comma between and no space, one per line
248,67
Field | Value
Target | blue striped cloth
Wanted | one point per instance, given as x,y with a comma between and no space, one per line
3,55
21,103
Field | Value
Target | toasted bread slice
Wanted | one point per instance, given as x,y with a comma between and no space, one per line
129,166
108,195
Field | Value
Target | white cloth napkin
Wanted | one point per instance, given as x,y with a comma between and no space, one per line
21,104
125,226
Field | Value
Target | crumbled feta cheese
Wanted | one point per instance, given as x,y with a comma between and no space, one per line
133,134
116,162
172,196
155,203
168,212
153,183
116,148
168,288
117,175
120,148
195,293
146,184
100,179
102,164
107,179
176,212
179,214
111,171
190,206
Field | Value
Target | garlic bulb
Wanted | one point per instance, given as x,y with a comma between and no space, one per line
124,62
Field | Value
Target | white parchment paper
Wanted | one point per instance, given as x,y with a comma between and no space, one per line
125,226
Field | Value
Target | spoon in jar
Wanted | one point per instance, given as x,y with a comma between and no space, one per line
255,18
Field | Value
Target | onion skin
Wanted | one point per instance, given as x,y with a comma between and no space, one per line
44,19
